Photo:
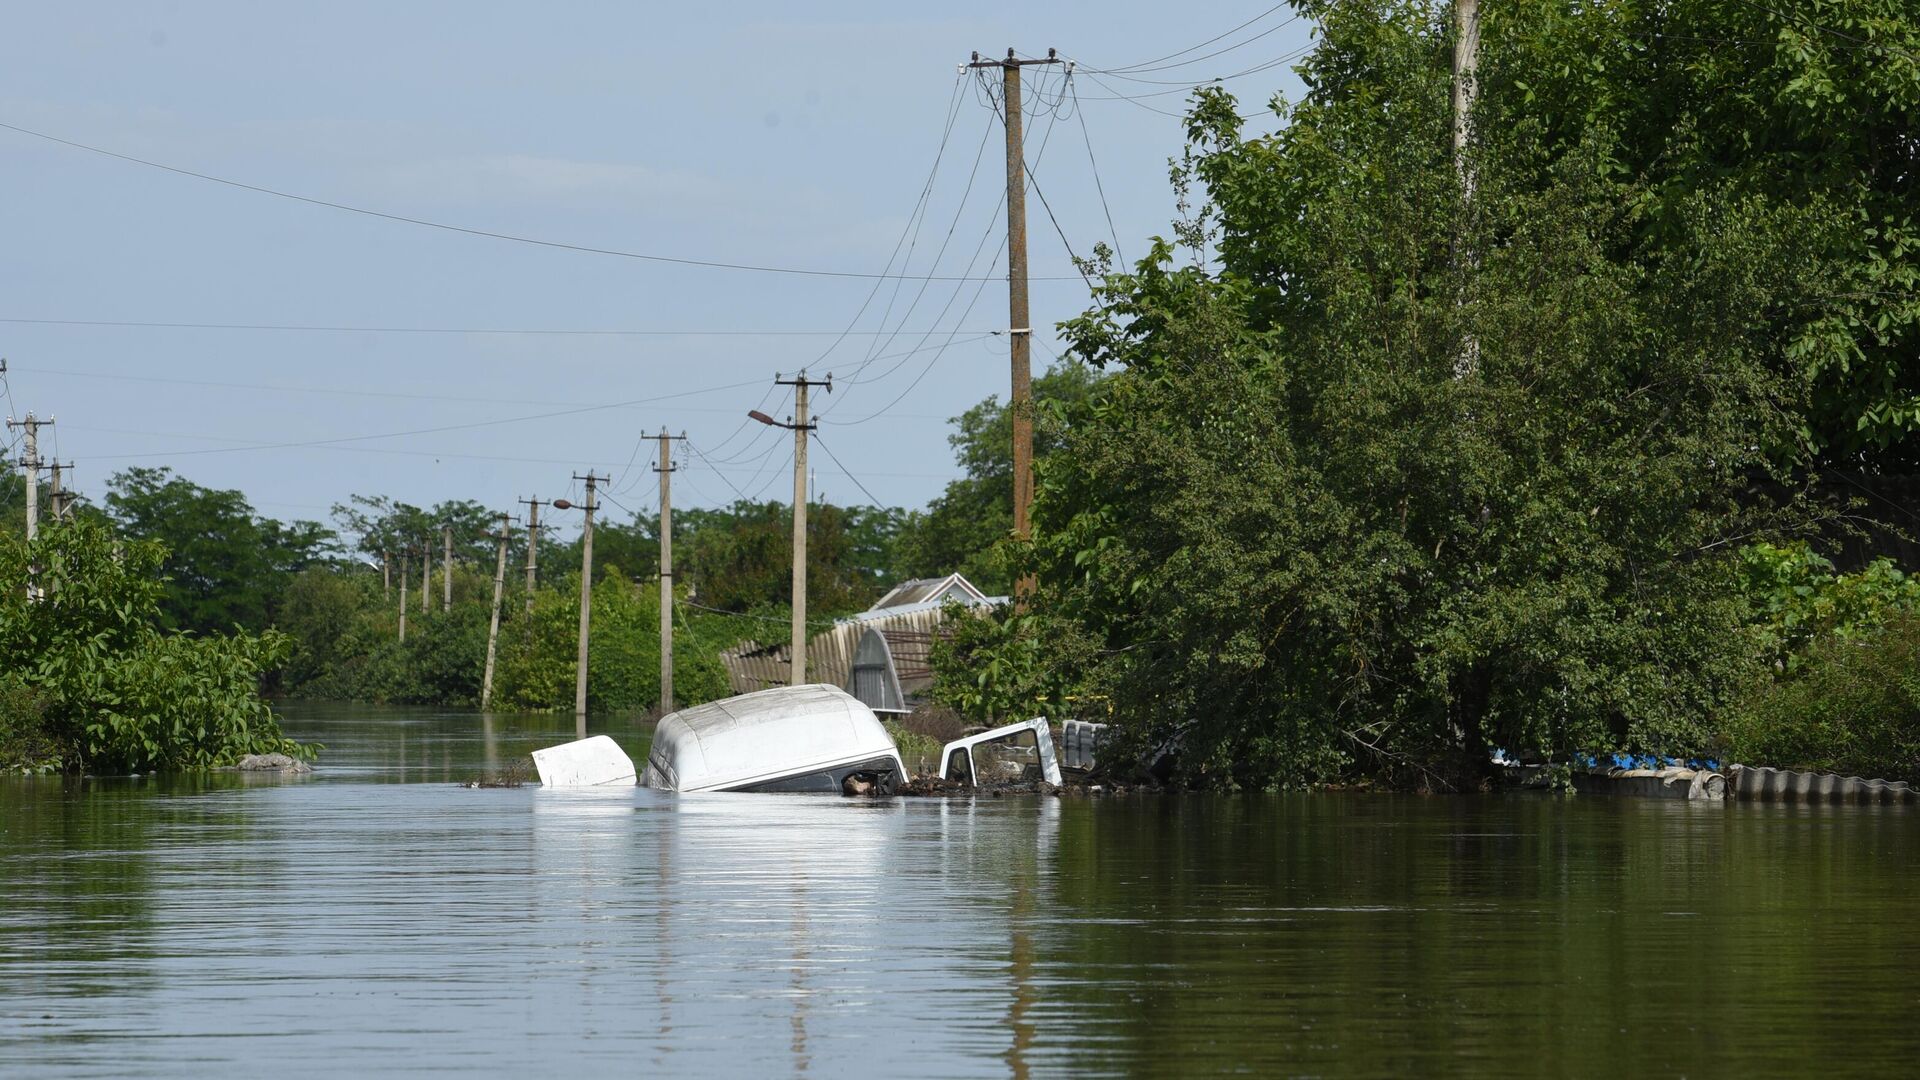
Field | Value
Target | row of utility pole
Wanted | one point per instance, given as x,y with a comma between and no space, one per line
1020,336
59,501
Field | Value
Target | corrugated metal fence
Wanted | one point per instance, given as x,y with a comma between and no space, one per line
752,666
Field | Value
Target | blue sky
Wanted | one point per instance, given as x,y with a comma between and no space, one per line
783,135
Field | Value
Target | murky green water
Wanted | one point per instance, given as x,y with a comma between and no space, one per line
376,918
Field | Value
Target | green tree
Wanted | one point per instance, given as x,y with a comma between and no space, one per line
225,566
1789,105
91,671
960,529
1387,475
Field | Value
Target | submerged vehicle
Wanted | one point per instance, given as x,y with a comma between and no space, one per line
790,738
1013,754
815,738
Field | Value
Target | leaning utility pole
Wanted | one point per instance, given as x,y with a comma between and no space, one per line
799,426
1019,325
446,568
493,627
586,591
533,543
665,469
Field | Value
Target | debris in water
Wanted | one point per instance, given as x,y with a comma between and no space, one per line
512,776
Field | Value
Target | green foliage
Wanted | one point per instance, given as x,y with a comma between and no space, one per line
1793,106
1386,476
1004,664
1797,597
224,567
741,558
94,682
961,529
1851,706
537,659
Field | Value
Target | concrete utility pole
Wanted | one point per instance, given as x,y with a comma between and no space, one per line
403,597
493,627
533,543
446,568
386,574
799,426
1019,325
426,571
58,497
30,465
665,469
1466,61
586,590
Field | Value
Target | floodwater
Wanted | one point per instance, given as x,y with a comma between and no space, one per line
377,918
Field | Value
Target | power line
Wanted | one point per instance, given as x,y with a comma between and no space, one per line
912,225
1094,166
1276,27
1146,64
333,329
835,458
463,229
449,427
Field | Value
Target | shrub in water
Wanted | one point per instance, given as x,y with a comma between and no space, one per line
94,684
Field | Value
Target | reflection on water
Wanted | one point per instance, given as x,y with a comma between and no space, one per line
376,917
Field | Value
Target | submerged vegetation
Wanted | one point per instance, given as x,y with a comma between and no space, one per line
1390,456
94,682
1406,456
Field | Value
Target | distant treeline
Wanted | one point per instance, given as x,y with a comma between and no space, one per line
334,588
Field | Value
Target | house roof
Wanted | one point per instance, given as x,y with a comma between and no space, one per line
930,590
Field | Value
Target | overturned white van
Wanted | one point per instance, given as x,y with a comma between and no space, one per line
790,738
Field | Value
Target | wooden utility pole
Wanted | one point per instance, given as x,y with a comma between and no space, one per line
665,469
533,543
586,591
404,597
493,626
446,568
799,425
1019,321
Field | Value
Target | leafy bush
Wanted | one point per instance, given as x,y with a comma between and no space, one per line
536,665
1851,705
96,684
1798,597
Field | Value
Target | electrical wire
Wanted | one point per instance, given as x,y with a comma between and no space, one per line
462,229
1145,64
770,479
335,329
873,500
451,427
1094,167
1275,28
